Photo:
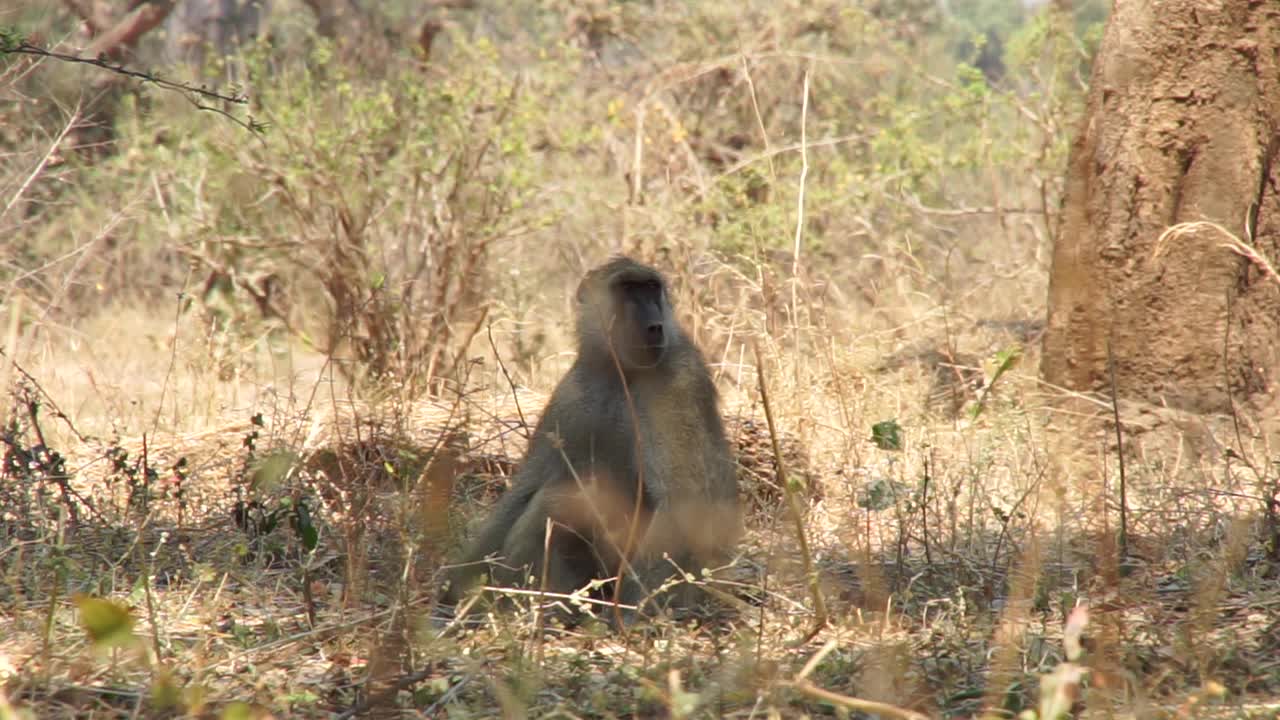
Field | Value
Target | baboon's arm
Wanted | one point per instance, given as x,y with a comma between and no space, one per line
490,540
509,508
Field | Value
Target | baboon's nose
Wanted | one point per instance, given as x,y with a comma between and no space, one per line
654,334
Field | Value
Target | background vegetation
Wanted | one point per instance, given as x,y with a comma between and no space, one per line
265,365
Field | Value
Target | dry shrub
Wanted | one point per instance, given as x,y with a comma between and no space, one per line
382,205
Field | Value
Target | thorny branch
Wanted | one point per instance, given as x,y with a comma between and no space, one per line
193,93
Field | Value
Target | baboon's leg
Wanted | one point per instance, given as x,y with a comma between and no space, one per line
649,568
678,540
569,562
490,541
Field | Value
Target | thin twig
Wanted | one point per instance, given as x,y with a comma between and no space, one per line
40,166
571,597
191,92
793,503
515,395
755,107
852,703
173,356
1234,244
447,696
779,150
804,174
25,48
48,399
918,206
1115,414
795,251
539,615
817,658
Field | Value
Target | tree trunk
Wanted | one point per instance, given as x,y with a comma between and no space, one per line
358,32
1182,124
197,27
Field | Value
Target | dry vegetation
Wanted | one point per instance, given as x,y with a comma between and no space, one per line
257,385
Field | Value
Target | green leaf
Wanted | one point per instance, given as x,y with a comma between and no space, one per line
270,472
10,39
165,691
305,528
302,697
879,494
1006,360
108,623
237,711
887,435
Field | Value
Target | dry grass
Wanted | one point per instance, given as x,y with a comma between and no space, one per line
948,595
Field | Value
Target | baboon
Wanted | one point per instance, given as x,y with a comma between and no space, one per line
633,426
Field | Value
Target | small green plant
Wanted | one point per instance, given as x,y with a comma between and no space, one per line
11,38
268,495
139,477
107,623
31,469
887,435
1005,360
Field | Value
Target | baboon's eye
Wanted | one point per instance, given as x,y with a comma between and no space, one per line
642,285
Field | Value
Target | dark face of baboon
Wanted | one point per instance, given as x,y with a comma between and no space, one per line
624,311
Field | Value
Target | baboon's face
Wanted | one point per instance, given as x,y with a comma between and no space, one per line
641,318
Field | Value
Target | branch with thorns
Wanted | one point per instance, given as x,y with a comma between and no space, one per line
16,45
